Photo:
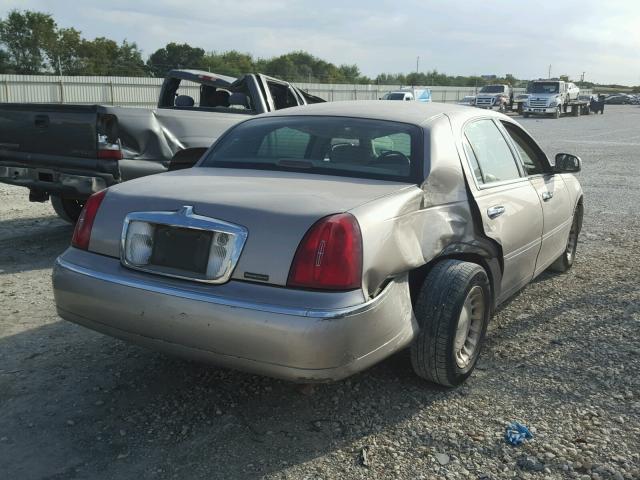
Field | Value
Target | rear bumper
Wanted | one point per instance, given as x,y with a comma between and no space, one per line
53,181
294,342
73,176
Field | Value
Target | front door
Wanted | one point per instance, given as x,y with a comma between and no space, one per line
553,194
509,205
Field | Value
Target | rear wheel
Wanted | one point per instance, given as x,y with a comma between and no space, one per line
565,261
67,209
452,309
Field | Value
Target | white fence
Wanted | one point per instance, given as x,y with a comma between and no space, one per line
144,92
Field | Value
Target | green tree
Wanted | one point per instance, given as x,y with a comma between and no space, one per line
232,63
64,55
27,36
175,55
103,56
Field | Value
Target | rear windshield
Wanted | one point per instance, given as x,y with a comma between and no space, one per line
395,96
343,146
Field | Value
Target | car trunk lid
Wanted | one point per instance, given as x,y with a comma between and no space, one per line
277,208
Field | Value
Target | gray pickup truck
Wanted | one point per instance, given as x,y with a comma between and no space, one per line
68,152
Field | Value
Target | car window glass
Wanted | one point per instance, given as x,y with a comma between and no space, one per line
282,95
492,152
323,145
398,142
284,143
475,166
187,89
529,152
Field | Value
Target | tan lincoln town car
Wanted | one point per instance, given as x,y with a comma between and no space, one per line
311,243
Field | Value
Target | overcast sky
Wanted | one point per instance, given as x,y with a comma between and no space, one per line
521,37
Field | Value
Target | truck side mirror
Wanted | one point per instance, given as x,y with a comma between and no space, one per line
567,163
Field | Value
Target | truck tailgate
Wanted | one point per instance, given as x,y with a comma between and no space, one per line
51,129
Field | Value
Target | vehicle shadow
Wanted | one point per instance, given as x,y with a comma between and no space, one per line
88,405
83,403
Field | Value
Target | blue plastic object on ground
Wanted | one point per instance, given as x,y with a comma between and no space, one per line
517,433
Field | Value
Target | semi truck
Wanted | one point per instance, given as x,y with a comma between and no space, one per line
554,97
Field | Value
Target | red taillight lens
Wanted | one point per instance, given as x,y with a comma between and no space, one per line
82,232
329,256
110,154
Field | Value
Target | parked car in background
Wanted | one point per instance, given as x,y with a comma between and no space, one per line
618,99
311,243
409,94
68,152
572,91
519,102
469,100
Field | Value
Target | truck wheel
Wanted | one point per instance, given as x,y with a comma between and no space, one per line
452,310
525,115
565,261
558,112
67,209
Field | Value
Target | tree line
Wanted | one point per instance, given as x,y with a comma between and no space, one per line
33,43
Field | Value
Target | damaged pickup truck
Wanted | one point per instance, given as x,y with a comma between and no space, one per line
311,243
68,152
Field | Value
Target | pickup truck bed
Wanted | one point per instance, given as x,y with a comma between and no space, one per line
68,152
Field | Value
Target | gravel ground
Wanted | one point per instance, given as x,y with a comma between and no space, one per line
562,357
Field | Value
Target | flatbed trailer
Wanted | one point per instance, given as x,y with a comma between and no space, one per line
574,108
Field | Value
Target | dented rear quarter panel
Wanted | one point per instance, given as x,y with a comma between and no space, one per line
412,227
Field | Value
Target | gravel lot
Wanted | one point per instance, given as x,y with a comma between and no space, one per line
563,358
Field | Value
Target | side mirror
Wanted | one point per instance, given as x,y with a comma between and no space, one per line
567,163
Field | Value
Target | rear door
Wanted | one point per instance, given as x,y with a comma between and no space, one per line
508,203
552,191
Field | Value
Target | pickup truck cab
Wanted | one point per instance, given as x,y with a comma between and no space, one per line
495,96
68,152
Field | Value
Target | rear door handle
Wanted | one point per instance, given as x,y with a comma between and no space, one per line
495,211
41,121
546,196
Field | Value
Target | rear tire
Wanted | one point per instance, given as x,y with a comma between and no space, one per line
452,309
67,209
565,261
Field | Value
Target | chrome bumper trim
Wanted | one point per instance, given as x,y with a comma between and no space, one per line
228,302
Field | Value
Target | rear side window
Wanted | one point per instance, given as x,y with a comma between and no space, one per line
493,156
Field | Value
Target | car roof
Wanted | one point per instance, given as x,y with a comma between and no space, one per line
417,113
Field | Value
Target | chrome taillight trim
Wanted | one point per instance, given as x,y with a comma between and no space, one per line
185,218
